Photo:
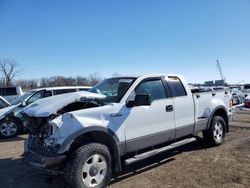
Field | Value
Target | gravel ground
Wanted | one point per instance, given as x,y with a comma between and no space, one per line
193,165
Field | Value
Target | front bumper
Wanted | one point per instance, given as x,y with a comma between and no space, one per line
42,159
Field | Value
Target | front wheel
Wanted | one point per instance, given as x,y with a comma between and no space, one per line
216,133
89,166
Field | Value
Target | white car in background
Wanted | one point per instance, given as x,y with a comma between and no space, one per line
10,117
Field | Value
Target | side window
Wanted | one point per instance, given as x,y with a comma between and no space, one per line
47,94
2,104
177,87
154,88
35,97
62,91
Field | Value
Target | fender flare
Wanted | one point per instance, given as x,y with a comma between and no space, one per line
115,143
212,115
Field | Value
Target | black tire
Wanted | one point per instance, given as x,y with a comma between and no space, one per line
12,123
216,133
73,174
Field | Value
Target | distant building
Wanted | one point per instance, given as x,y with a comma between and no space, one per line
209,83
219,83
214,83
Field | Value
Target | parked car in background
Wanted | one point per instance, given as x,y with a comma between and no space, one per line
247,102
11,93
4,103
10,123
246,89
237,96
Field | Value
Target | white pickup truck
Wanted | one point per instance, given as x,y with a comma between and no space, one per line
89,136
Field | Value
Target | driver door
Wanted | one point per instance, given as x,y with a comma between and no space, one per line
147,126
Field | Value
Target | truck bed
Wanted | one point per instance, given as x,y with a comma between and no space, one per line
204,102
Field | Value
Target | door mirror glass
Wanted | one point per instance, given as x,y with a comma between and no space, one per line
140,100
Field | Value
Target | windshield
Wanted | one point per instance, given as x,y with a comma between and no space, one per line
113,88
21,98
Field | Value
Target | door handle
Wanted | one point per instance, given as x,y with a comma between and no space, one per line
169,108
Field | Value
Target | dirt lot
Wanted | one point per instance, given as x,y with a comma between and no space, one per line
193,165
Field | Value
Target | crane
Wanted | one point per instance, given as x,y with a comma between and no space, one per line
220,70
242,81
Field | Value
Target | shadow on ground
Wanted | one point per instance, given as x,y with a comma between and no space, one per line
157,160
15,173
18,138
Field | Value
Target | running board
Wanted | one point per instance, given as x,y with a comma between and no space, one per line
147,154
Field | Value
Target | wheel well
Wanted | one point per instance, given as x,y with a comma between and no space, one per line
222,113
102,138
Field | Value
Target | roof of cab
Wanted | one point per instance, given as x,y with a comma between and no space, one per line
62,87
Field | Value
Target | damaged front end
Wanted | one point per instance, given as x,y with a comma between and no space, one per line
39,150
42,147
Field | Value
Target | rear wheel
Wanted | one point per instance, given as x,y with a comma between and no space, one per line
89,166
9,128
215,135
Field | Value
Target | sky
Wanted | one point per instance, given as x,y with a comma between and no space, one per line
128,37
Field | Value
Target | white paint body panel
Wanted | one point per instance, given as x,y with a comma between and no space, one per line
127,123
205,104
146,120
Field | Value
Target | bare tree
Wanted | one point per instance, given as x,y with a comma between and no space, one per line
44,82
95,78
116,74
81,81
8,69
27,84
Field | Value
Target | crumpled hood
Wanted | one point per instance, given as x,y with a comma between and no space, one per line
47,106
72,122
7,110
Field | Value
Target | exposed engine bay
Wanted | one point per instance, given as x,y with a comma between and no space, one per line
40,128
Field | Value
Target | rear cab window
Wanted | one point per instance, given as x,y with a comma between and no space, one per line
178,89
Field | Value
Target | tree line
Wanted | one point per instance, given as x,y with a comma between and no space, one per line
9,69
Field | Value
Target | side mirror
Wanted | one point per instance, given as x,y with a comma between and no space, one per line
24,103
140,100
